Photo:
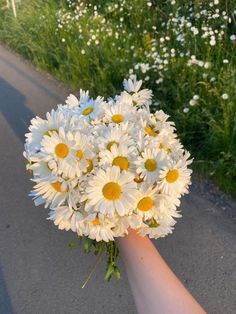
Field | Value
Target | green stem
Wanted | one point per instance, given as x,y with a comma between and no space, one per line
93,269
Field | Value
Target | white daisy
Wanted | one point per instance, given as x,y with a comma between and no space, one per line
92,109
114,135
148,201
150,128
80,158
122,157
43,170
149,164
175,178
99,228
119,112
67,218
52,193
167,142
139,97
132,85
160,225
40,127
72,101
111,191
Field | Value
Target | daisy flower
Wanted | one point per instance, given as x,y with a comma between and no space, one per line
72,101
67,218
80,159
115,135
92,109
150,128
132,85
148,201
57,146
122,157
119,112
149,164
52,193
167,142
175,178
40,127
138,97
42,169
111,191
99,228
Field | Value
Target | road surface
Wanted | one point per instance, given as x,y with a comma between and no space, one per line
39,274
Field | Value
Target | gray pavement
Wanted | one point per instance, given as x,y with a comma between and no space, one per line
39,274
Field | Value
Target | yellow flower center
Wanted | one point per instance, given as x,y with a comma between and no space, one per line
121,162
96,221
138,179
87,111
61,150
117,118
90,166
112,191
172,176
168,150
150,131
79,154
161,146
109,145
150,165
145,204
56,186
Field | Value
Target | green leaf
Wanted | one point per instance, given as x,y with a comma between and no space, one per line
87,245
72,245
117,273
153,223
109,272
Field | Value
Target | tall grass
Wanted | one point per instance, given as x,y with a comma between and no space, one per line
185,52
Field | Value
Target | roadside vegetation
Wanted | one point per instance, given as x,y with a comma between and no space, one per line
185,51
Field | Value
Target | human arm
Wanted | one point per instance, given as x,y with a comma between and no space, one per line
155,287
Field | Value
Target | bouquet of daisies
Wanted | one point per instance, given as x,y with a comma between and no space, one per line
102,167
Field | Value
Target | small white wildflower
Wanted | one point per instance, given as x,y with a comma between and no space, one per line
225,61
160,80
186,110
212,42
192,102
194,30
232,37
82,51
207,65
196,97
225,96
63,40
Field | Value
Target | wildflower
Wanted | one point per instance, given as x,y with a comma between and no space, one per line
225,96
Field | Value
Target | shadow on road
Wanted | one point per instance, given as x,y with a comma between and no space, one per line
5,301
18,115
30,79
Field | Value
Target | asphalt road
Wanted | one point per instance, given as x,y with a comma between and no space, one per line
39,274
